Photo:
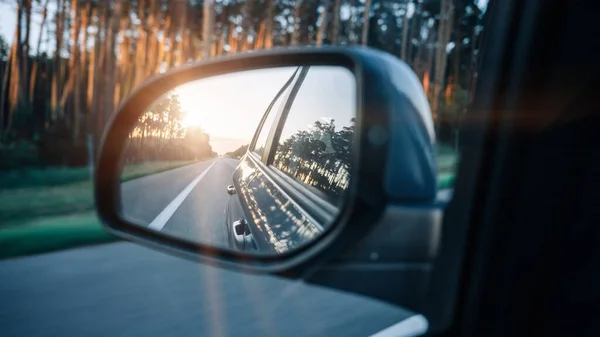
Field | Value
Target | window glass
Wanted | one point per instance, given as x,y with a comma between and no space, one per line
315,145
261,141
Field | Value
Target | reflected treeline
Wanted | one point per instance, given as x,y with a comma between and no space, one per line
238,153
319,157
160,135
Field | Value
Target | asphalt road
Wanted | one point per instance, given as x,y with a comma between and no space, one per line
197,216
122,289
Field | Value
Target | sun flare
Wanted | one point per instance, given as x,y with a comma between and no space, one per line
191,119
191,106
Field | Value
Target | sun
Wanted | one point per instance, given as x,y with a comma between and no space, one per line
191,119
190,105
205,107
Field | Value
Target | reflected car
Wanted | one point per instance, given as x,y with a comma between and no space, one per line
287,186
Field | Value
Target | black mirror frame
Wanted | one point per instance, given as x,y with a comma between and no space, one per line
366,198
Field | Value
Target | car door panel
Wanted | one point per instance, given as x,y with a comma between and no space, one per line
276,222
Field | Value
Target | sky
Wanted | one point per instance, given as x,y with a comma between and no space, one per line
327,93
8,21
229,107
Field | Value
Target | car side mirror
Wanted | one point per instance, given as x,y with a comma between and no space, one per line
335,148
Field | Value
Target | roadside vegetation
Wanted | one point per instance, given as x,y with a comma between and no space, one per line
48,209
69,63
447,165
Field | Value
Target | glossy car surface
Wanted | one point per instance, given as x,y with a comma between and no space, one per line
287,185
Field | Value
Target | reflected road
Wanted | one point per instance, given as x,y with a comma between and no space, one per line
187,202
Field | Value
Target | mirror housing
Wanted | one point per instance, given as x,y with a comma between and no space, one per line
393,174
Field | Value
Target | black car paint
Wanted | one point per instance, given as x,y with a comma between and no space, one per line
275,221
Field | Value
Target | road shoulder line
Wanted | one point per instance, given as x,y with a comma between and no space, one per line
161,219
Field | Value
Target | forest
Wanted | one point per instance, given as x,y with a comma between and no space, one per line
61,85
319,157
161,136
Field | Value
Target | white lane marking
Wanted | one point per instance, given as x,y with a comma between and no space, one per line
415,325
159,222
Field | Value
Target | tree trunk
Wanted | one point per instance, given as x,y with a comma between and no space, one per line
25,65
404,46
444,30
474,66
35,66
323,28
140,46
270,18
184,12
161,47
73,55
233,42
335,29
457,52
100,71
417,17
81,109
365,30
91,79
245,12
170,57
429,64
207,29
124,68
73,62
151,52
15,72
296,31
64,69
56,80
259,41
5,86
109,69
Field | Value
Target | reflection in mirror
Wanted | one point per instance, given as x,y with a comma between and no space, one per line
191,169
315,145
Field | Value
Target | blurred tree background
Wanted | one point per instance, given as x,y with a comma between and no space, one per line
60,86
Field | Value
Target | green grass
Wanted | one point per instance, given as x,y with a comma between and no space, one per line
43,210
40,198
445,180
39,215
447,164
43,177
48,234
21,204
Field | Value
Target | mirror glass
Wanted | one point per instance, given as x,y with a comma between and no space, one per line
255,161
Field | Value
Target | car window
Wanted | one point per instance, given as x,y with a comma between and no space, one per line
315,144
278,104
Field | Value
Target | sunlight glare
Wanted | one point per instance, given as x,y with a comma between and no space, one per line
197,113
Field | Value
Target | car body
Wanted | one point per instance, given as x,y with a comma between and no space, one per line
290,184
267,177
